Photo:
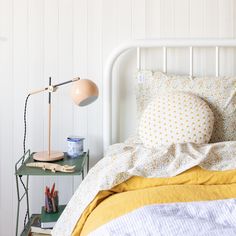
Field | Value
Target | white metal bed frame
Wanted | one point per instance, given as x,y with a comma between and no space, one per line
159,43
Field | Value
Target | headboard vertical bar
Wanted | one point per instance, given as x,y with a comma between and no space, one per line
138,58
217,61
191,62
164,60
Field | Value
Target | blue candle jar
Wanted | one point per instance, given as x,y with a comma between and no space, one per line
75,146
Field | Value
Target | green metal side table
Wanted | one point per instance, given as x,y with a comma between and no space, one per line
22,170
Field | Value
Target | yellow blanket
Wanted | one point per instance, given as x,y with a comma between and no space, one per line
195,184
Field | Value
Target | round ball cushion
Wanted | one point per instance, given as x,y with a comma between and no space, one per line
176,118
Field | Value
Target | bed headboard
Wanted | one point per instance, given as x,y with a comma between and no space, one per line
158,43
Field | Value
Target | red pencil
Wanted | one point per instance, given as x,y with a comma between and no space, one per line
52,190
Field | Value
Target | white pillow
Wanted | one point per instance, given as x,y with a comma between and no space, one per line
218,92
177,117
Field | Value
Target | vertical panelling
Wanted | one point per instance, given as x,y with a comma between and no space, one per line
211,30
109,42
65,62
234,36
95,73
181,20
181,30
138,19
124,20
153,19
226,20
65,72
51,65
109,27
125,68
167,18
20,88
196,24
211,18
153,30
51,69
7,221
36,103
234,19
226,12
80,66
139,24
80,59
167,28
196,18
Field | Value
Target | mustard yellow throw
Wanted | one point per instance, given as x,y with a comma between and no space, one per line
196,184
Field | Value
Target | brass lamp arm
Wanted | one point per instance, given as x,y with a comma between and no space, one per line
53,88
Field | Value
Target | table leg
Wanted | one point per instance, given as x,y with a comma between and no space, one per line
87,162
18,204
83,174
19,199
27,196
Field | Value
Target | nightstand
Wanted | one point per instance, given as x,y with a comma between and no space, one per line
22,170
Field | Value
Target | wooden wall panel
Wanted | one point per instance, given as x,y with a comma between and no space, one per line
109,42
153,30
7,114
124,69
80,66
95,67
20,86
138,18
35,124
226,30
65,105
51,69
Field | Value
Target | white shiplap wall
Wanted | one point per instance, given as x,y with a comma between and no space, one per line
65,38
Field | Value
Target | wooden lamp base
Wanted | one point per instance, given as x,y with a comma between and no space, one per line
44,156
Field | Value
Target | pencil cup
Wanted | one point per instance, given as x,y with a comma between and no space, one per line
75,146
51,201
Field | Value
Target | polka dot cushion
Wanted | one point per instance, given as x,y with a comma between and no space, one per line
176,118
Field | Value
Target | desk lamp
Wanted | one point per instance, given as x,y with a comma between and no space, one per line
83,93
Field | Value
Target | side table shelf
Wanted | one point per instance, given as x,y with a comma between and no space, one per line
22,170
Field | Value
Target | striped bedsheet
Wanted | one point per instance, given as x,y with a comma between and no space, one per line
192,218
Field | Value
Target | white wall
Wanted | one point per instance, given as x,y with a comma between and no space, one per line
66,38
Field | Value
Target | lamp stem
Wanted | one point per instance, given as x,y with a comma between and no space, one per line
49,119
66,82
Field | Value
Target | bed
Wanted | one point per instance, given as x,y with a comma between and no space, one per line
177,175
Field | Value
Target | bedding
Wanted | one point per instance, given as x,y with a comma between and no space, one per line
195,184
178,172
218,92
194,218
176,117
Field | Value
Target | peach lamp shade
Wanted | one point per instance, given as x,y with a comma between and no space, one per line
84,92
